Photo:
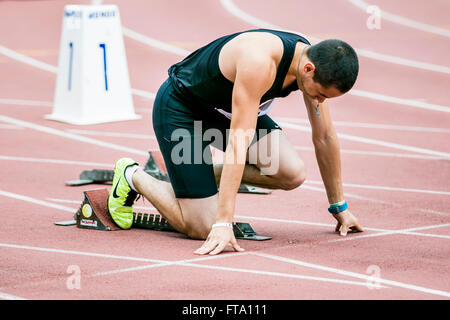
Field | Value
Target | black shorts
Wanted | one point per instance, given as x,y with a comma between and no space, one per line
184,131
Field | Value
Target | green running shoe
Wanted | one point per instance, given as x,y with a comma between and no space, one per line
121,196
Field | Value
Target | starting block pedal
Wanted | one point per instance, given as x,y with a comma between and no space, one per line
94,214
244,188
245,231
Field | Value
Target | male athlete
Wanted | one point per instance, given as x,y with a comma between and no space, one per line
220,95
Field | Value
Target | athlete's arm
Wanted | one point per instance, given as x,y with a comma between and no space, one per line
255,74
326,145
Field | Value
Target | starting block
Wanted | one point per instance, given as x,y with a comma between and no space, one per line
94,214
158,171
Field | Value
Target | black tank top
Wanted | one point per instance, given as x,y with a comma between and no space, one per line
198,76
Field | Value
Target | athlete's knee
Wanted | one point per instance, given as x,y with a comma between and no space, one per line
197,230
293,176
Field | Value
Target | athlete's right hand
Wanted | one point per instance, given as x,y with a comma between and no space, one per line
218,239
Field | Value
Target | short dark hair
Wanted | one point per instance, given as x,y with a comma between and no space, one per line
336,64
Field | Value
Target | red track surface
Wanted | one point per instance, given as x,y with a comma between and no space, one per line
305,259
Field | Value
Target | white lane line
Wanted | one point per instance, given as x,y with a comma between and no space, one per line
154,43
354,124
36,201
354,196
386,188
168,263
22,102
139,152
112,134
58,161
401,101
81,253
404,21
355,275
234,10
380,154
72,210
144,94
151,96
372,141
27,60
163,263
175,50
10,127
48,67
6,296
276,274
71,136
409,231
380,232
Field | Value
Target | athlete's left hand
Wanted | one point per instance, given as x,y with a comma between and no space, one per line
217,240
345,222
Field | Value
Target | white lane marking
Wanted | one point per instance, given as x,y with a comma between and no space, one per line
112,134
354,274
6,296
175,50
10,127
409,231
404,21
151,96
386,188
352,124
71,136
380,232
22,102
277,274
163,263
81,253
361,93
144,94
372,141
58,161
380,154
35,201
234,10
401,101
27,60
154,43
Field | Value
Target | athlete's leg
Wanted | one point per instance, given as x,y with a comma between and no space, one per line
280,168
193,217
189,201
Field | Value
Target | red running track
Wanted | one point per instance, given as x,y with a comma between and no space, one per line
395,163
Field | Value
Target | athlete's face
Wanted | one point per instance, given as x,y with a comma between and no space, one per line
314,89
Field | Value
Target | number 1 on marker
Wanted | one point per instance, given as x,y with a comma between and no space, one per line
70,66
103,46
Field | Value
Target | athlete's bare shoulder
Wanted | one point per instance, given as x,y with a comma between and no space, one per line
255,49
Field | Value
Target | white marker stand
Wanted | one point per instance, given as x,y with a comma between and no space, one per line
93,84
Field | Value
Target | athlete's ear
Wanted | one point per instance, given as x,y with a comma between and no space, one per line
309,67
308,70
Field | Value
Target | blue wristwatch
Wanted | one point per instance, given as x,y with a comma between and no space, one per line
338,207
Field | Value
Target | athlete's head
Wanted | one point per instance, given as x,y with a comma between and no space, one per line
332,67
